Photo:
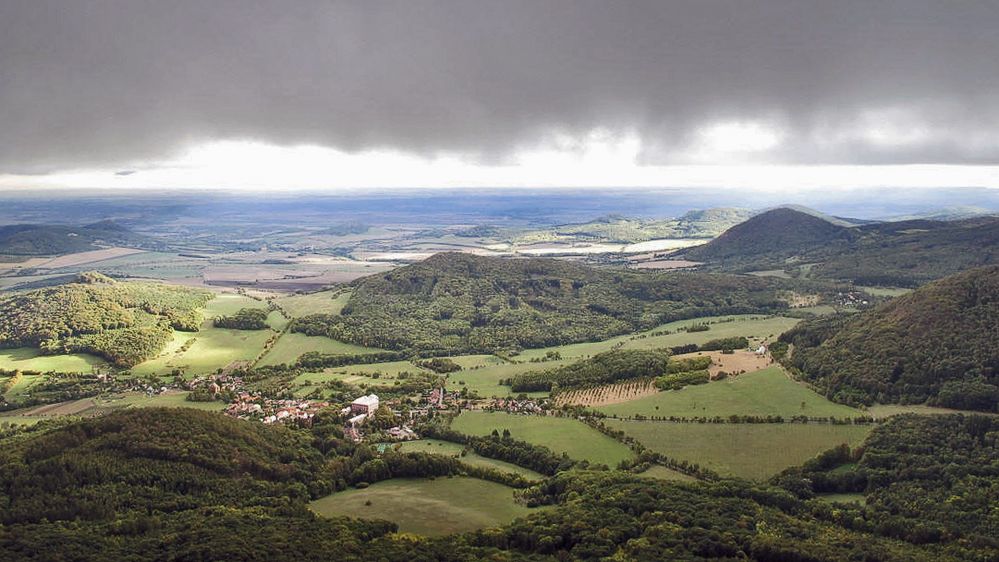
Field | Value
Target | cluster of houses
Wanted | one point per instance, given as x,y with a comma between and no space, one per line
517,405
250,407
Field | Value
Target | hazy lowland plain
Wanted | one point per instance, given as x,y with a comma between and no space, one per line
536,359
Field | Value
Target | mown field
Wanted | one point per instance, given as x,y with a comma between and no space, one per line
428,507
562,435
768,392
752,451
450,449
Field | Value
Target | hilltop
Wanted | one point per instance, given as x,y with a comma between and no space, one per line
51,240
904,253
774,235
125,323
454,302
936,344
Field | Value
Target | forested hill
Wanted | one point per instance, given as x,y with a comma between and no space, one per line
124,322
455,302
775,235
50,240
907,253
938,343
181,484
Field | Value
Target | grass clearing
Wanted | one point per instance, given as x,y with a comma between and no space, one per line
768,392
323,302
31,359
751,451
855,498
755,327
562,435
441,506
484,381
660,472
290,346
450,449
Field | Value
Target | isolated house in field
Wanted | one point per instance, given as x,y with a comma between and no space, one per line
762,350
364,405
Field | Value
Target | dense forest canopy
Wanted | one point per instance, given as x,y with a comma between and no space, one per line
176,484
124,322
460,303
924,479
938,343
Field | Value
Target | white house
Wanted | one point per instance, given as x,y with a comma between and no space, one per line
365,404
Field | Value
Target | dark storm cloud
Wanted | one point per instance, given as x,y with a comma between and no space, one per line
112,82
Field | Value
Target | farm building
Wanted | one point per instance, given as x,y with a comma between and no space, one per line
365,404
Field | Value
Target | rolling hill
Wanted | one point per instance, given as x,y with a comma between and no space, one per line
125,323
773,236
454,302
52,240
904,253
936,344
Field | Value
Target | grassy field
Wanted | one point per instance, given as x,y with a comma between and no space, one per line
660,472
752,326
562,435
484,381
441,506
844,498
212,348
30,359
450,449
885,291
752,451
882,411
372,374
762,393
313,303
291,345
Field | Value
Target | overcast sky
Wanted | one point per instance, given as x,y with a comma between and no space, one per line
308,93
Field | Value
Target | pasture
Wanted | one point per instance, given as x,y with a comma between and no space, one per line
290,346
430,507
755,327
31,359
210,348
484,381
323,302
561,435
768,392
751,451
449,449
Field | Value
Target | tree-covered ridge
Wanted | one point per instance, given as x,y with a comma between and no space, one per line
125,323
937,343
907,253
602,368
776,235
47,240
454,302
932,479
182,484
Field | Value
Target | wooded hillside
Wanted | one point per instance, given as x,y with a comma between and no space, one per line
938,343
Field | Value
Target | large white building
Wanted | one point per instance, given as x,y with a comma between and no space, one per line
365,404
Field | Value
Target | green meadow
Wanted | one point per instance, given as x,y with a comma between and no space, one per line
450,449
562,435
30,359
431,507
752,451
751,326
762,393
484,381
323,302
290,346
